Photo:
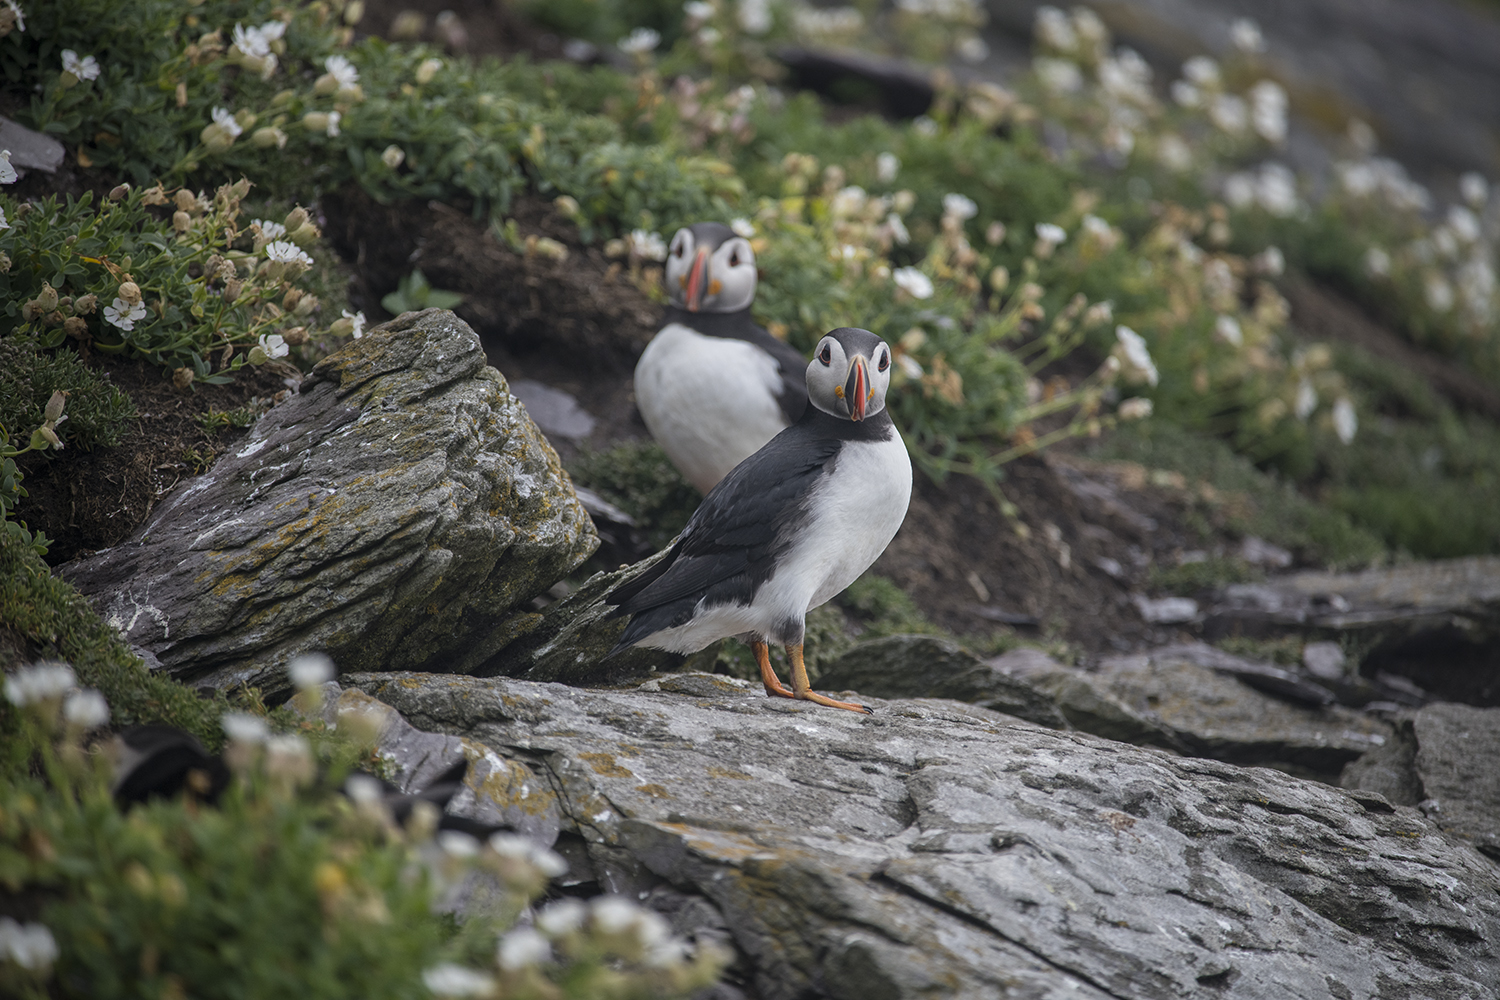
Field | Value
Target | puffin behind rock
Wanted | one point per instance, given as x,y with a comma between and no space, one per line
789,528
713,386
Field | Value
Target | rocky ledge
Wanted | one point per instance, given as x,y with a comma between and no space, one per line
942,849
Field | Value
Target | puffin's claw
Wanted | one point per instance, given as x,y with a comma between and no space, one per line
802,689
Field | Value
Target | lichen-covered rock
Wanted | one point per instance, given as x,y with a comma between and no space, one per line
936,849
393,513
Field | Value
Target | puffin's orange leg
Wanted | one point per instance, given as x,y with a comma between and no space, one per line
802,689
774,687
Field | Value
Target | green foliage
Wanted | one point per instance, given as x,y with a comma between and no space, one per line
1285,650
415,293
175,281
1191,578
637,477
884,609
217,420
96,409
43,616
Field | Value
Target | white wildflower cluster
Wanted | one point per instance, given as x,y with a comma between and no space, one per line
827,23
256,49
29,945
640,42
1273,188
51,683
1136,364
647,245
86,68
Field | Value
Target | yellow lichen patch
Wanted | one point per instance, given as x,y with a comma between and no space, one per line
655,791
715,771
510,784
628,750
604,763
410,682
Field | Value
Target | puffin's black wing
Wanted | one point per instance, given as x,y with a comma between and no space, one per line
792,396
729,547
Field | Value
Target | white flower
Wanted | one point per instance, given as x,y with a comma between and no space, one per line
1268,110
614,914
1270,261
4,222
363,790
272,30
242,727
925,125
647,244
20,14
449,980
288,755
1276,190
849,201
1185,94
393,156
359,322
913,282
1202,71
1047,232
1135,408
522,947
1136,356
640,41
31,946
887,165
899,233
755,16
1246,35
287,252
1474,188
1377,262
959,206
1054,30
86,709
1227,329
225,121
562,917
511,845
457,844
40,682
1345,423
275,346
310,669
342,70
270,230
1306,401
1174,153
698,10
333,123
86,68
124,315
1229,112
1059,76
1464,223
742,226
252,41
910,365
1438,292
972,48
8,173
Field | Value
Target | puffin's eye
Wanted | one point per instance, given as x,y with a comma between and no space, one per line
885,360
678,248
826,355
734,258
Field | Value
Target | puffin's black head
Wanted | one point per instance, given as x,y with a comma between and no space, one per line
849,373
710,269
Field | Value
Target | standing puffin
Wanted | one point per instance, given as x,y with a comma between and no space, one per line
789,528
713,386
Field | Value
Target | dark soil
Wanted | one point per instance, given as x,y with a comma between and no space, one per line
88,500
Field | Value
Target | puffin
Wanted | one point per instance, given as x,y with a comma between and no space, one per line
788,528
713,385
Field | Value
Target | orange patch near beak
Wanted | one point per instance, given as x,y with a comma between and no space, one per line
697,279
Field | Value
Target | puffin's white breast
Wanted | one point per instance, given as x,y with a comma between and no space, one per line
709,401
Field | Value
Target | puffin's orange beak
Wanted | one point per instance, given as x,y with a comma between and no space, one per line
857,389
697,280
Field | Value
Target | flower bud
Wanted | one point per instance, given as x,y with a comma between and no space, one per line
1000,279
393,156
295,218
76,327
130,292
85,304
118,192
216,138
55,406
342,327
182,378
306,306
181,221
290,300
326,85
54,318
296,336
903,202
354,11
567,206
303,234
44,436
46,300
266,138
257,356
185,200
240,188
428,70
232,290
4,263
316,121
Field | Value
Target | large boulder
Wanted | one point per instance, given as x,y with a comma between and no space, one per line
398,512
937,849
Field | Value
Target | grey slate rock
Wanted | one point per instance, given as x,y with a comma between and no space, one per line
938,849
395,513
30,149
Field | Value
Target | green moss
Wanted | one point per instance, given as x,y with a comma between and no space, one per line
96,410
1195,577
1285,650
637,477
883,608
43,617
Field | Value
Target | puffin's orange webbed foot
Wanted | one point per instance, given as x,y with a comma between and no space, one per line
774,687
802,689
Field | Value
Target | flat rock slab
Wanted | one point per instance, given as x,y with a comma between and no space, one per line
937,849
394,513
